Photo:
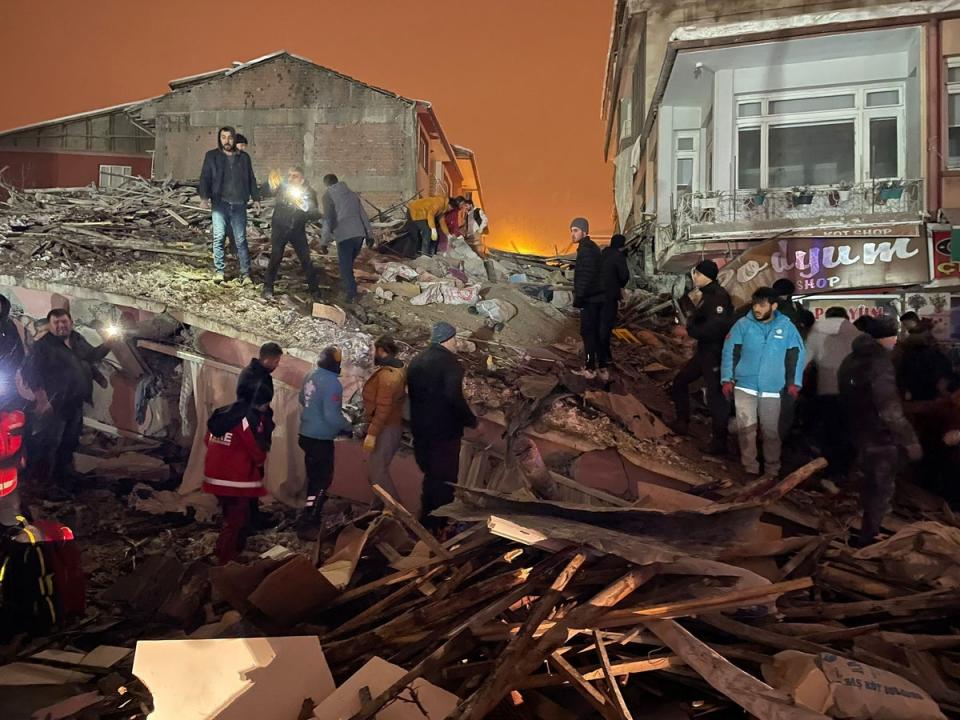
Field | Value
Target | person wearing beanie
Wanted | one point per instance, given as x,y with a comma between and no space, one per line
438,415
874,414
588,293
708,325
321,421
615,275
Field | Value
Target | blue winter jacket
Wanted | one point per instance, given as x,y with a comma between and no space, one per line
763,357
321,398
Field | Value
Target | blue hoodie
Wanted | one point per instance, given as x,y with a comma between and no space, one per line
322,399
763,358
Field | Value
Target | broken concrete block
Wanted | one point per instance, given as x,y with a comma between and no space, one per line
234,582
292,591
263,678
334,314
105,656
562,299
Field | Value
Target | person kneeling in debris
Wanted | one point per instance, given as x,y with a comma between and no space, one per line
238,440
384,395
321,421
296,206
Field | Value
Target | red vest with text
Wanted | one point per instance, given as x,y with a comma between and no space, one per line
11,449
234,463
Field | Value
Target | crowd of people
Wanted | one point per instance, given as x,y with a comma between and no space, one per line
874,398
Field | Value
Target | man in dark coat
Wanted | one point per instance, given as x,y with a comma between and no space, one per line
708,325
438,415
11,353
588,293
296,206
615,275
346,223
255,384
874,413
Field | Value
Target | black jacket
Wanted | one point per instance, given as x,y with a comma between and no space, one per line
711,321
438,409
255,384
614,271
868,395
211,175
288,217
11,358
588,274
921,367
65,373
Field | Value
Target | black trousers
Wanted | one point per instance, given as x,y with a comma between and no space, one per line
439,460
704,364
318,457
56,436
608,321
278,243
422,237
832,434
590,330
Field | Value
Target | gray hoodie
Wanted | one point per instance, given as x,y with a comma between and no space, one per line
829,342
343,215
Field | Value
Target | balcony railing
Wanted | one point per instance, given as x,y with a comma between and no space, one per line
743,207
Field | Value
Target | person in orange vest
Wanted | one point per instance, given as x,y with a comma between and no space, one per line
423,219
238,440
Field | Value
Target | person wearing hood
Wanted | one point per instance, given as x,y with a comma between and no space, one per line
588,293
296,206
238,441
384,395
762,361
321,422
615,275
346,223
874,414
829,342
255,383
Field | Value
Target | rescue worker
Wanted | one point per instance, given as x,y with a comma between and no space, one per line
321,422
615,275
238,441
346,223
11,353
296,206
708,325
423,221
874,414
384,395
588,294
60,369
762,361
438,415
255,384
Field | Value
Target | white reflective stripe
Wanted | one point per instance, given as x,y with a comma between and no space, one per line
232,483
6,487
755,393
245,424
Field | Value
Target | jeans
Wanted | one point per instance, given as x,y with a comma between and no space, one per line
347,251
704,364
236,215
388,442
421,236
590,328
278,243
765,411
318,456
439,460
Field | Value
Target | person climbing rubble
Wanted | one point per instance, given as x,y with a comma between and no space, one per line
423,221
296,206
346,223
615,275
588,294
238,441
384,395
321,422
438,415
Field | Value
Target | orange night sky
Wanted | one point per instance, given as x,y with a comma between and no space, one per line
518,81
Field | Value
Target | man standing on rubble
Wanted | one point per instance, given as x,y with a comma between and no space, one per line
60,370
423,221
708,325
255,384
874,413
763,358
345,222
588,293
296,206
438,415
321,422
384,395
226,183
616,275
11,353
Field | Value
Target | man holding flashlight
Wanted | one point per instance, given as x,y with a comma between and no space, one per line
296,206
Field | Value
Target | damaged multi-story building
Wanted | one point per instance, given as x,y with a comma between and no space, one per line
818,141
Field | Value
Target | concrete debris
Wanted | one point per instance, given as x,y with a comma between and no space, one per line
333,313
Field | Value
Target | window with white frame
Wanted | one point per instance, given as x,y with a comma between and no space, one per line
687,163
821,138
953,113
114,175
626,119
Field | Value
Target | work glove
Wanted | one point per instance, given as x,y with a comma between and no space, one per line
914,452
793,391
369,442
727,389
433,234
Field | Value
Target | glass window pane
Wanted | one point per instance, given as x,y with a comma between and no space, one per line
685,143
953,109
953,74
953,135
811,155
812,104
883,148
881,98
748,159
684,175
749,109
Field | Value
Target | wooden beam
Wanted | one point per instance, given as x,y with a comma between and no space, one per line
597,700
615,695
404,516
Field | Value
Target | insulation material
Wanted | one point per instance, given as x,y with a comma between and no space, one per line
623,184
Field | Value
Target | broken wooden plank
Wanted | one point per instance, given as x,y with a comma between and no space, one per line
623,712
597,700
404,516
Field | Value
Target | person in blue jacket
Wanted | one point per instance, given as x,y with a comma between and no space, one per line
321,421
762,361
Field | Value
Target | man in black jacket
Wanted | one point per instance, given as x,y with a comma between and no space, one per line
226,183
255,384
874,413
438,415
616,275
588,293
708,325
296,206
11,353
60,370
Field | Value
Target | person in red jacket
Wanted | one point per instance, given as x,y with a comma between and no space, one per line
238,440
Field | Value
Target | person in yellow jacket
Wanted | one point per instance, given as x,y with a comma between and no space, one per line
384,395
423,220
